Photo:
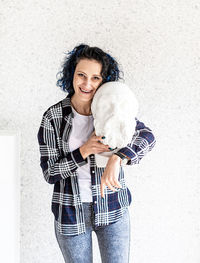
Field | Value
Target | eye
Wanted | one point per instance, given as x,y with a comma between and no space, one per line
80,74
96,78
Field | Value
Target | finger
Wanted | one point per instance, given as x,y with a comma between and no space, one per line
117,184
102,189
103,147
99,138
101,150
110,186
100,147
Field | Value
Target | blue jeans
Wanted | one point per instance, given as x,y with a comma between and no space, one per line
113,240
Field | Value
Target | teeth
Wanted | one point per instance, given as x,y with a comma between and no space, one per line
86,91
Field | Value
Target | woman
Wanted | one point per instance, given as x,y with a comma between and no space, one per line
87,198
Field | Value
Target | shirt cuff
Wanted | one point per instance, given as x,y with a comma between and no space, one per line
128,152
78,158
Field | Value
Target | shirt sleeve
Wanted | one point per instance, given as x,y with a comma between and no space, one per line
55,166
142,142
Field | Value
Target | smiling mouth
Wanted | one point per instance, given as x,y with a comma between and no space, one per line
85,91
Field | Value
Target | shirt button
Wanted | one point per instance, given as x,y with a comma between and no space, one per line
92,171
95,202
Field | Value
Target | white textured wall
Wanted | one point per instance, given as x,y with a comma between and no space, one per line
157,45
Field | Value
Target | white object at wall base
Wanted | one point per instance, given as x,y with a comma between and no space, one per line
10,196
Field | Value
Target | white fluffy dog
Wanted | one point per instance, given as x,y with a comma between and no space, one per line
114,108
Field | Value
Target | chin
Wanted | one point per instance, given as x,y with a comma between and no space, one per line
87,99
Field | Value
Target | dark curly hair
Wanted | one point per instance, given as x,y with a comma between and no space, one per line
109,72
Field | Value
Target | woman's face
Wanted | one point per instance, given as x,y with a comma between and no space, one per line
87,78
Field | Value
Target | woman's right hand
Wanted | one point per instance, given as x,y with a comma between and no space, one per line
93,145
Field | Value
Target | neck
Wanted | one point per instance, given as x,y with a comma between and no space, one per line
82,107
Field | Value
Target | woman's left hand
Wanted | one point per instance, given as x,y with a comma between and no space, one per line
110,175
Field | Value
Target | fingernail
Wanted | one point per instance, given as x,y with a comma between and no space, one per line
103,137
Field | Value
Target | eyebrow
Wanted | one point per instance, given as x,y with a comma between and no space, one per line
86,74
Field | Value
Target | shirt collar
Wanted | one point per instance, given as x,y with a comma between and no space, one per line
66,105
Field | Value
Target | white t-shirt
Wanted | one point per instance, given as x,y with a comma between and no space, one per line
82,127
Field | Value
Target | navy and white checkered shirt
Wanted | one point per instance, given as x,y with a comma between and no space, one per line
59,167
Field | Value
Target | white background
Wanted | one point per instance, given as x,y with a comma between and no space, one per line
156,43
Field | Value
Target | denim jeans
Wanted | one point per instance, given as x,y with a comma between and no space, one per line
113,240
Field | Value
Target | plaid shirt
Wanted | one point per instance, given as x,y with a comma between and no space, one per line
59,167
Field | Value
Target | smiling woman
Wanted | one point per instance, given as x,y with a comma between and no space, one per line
68,145
85,84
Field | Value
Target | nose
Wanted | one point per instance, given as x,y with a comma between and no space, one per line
87,83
